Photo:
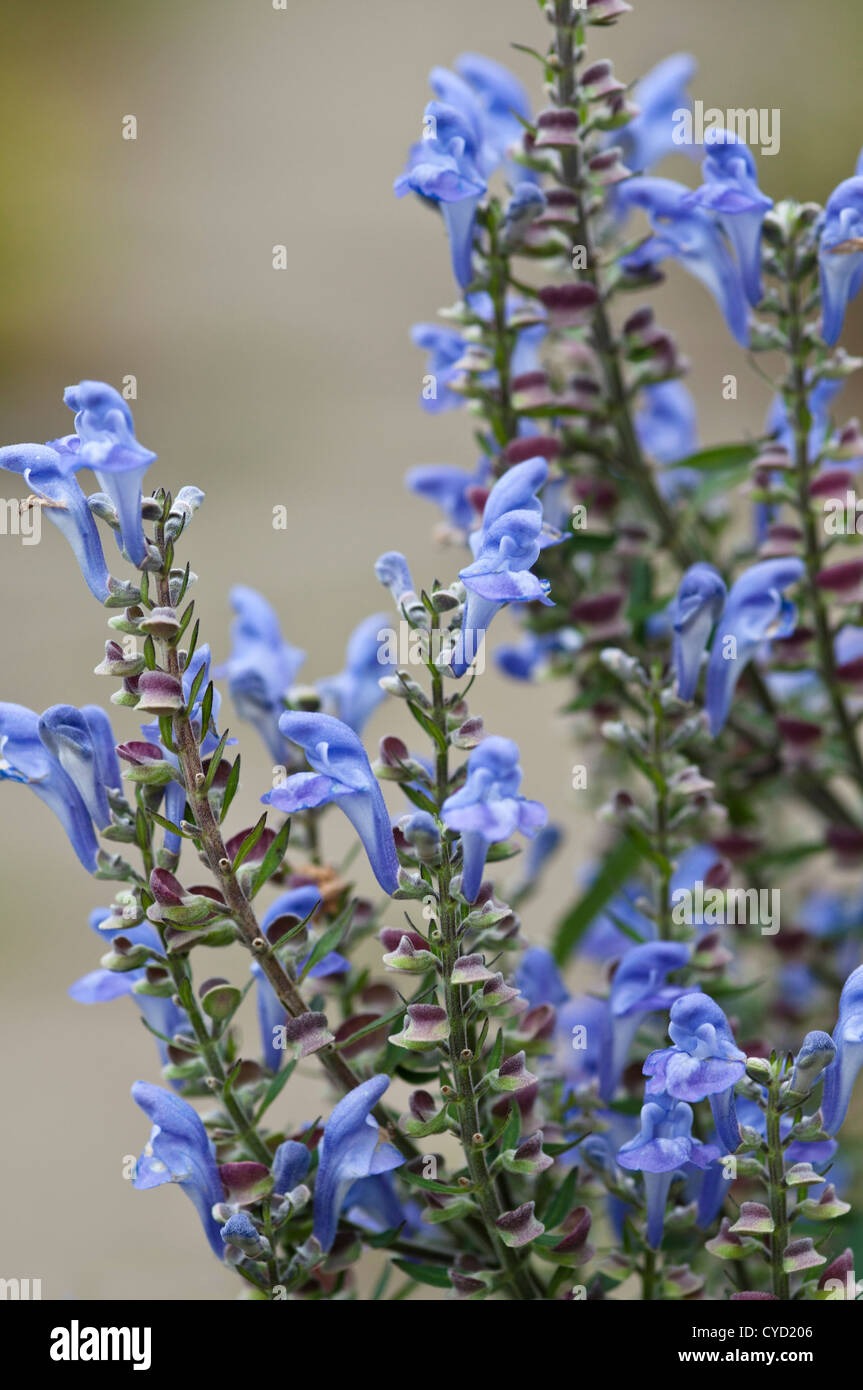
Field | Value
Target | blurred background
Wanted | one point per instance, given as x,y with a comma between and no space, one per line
299,387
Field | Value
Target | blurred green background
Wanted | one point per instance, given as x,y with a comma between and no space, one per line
153,258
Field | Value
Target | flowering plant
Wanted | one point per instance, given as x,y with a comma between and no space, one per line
488,1126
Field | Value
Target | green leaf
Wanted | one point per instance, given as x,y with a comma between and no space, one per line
249,843
206,707
231,788
196,686
512,1129
273,858
215,759
424,1274
562,1202
719,458
193,642
329,941
275,1088
618,866
428,1185
435,734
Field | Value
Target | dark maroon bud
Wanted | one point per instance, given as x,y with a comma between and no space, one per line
846,842
390,937
597,493
851,672
556,129
718,875
597,610
139,754
258,850
799,733
834,483
569,305
736,846
532,446
638,322
845,580
422,1106
477,497
839,1268
369,1042
166,889
161,694
392,751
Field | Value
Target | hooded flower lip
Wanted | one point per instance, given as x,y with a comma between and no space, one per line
507,544
83,744
352,1149
355,692
104,441
442,167
179,1150
663,1145
25,758
840,255
489,808
342,775
842,1072
705,1062
695,610
65,505
755,611
730,189
661,93
638,988
691,236
262,666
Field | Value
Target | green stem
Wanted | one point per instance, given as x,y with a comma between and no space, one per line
778,1194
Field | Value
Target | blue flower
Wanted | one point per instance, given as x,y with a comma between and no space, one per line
667,431
663,1145
638,989
104,441
538,978
840,1076
179,1150
505,547
525,659
290,1164
816,1053
342,775
730,189
82,742
694,612
755,611
840,255
24,757
443,168
693,238
301,903
649,136
355,692
445,347
502,100
604,937
101,986
352,1149
489,808
261,668
65,505
704,1062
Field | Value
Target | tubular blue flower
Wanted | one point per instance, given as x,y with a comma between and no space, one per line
65,505
489,808
355,692
525,659
179,1150
705,1062
638,989
840,1076
538,978
445,347
663,1145
755,611
342,775
667,430
541,849
730,189
104,441
352,1149
840,255
83,744
502,100
290,1164
443,168
301,903
695,610
24,758
582,1036
261,668
449,488
102,986
505,547
693,238
649,136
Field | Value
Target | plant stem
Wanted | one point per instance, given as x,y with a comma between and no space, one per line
238,905
462,1058
778,1196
